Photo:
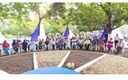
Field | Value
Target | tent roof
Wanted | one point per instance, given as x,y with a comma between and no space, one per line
2,38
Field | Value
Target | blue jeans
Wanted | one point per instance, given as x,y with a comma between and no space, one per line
6,51
47,48
16,49
74,46
53,46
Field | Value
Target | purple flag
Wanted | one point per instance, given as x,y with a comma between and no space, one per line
36,32
104,34
66,33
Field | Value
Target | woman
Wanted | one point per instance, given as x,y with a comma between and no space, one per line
24,44
110,45
5,46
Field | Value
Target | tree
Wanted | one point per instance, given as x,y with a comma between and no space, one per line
84,16
89,17
116,14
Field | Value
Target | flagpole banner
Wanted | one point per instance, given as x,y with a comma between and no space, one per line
66,34
36,32
104,34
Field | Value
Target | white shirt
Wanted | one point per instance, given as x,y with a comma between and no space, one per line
87,41
74,41
120,44
80,41
116,38
53,42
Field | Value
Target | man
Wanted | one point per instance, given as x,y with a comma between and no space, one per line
116,39
61,43
15,46
94,43
120,46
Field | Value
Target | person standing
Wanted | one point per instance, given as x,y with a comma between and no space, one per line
5,46
116,39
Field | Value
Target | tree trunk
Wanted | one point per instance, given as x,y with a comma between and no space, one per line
109,22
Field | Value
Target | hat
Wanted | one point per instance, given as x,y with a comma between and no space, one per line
95,37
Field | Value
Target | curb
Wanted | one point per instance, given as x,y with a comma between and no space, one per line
64,59
90,63
35,61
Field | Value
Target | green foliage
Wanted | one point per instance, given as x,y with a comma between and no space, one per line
80,17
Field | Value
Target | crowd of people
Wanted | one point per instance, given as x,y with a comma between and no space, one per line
60,42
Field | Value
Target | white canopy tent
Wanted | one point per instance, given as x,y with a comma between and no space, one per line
42,34
71,34
2,38
117,31
124,26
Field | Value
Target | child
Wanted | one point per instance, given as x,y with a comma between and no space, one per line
102,46
110,45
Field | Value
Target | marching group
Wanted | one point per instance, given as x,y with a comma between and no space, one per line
62,43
